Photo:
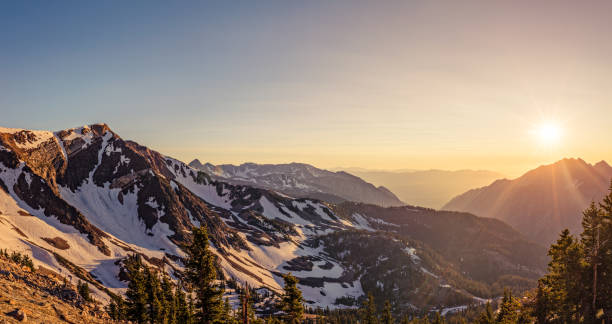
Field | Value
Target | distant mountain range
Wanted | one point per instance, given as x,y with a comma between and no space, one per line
302,181
428,188
543,201
78,201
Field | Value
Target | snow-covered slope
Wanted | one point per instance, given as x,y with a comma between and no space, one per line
80,200
302,180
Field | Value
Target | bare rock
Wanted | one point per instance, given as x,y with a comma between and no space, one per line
18,314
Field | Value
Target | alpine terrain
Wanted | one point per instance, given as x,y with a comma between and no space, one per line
302,180
79,201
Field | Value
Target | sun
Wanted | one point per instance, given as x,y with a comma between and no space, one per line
549,133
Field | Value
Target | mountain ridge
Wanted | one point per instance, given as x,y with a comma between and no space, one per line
125,198
302,180
543,201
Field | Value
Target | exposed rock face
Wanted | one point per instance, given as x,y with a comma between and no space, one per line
543,201
18,314
94,189
302,181
42,297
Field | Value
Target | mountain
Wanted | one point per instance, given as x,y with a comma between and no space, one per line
79,201
542,202
428,188
301,181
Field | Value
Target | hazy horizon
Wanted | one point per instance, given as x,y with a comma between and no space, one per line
501,86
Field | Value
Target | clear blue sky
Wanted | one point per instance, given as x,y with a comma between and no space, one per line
406,84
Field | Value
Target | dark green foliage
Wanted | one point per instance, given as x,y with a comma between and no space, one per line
487,316
83,289
387,317
149,298
292,301
201,273
117,309
184,311
23,260
152,284
508,310
245,309
368,311
438,319
137,293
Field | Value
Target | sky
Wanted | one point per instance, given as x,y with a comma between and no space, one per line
497,85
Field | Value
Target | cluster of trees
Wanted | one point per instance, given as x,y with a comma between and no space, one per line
152,297
576,289
578,285
83,290
23,260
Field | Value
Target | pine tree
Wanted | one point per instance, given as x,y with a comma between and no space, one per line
183,311
201,274
438,319
136,292
154,296
604,282
564,282
542,304
168,301
292,301
83,289
387,317
591,238
116,309
368,311
509,309
487,317
247,314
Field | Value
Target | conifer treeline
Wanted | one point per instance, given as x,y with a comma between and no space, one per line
576,289
152,297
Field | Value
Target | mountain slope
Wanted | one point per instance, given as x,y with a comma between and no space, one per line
80,200
543,201
302,181
427,188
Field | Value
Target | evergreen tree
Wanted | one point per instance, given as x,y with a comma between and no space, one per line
368,311
169,301
438,319
509,309
137,291
387,317
116,309
292,301
564,281
591,238
83,289
487,316
183,310
601,295
201,274
154,301
246,312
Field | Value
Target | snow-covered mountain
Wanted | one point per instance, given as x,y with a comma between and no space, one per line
542,202
80,200
302,181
